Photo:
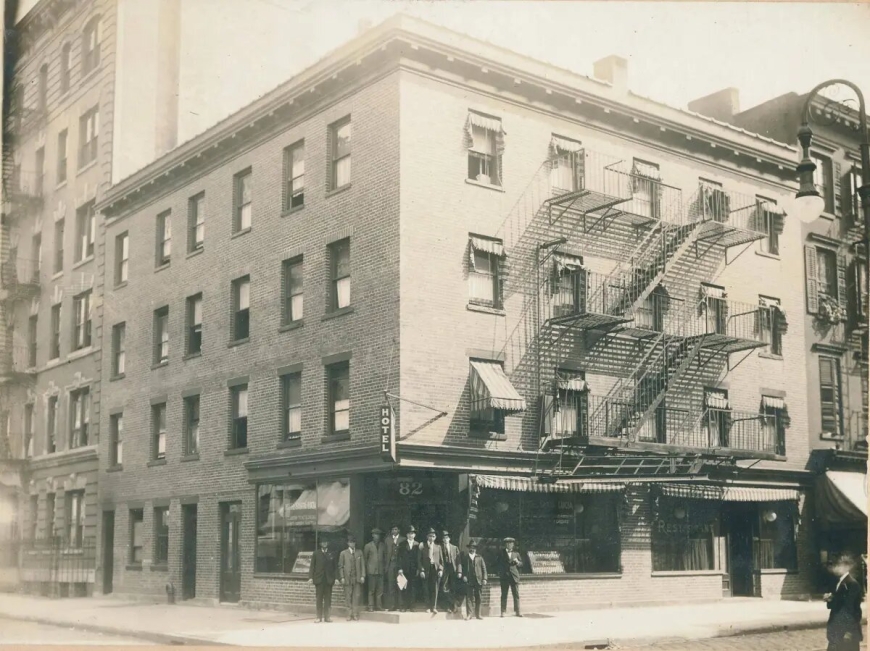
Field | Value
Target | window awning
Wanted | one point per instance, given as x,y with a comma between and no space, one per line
771,402
531,485
573,384
484,122
842,497
560,145
764,301
489,385
712,291
567,263
646,170
716,401
493,247
730,493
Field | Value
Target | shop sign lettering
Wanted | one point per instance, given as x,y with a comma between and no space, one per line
661,526
388,433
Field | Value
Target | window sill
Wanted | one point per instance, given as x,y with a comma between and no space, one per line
190,356
83,261
88,165
134,567
53,363
89,75
332,193
765,254
115,468
156,462
290,443
488,186
78,354
61,185
281,576
292,211
238,342
244,231
161,266
770,356
485,309
121,285
571,577
487,436
115,378
235,452
293,325
190,457
689,573
195,252
337,313
778,570
159,365
57,275
335,438
160,567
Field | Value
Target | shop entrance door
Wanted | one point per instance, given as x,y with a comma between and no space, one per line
231,573
737,521
108,551
188,551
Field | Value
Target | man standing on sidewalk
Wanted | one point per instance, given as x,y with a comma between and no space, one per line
452,572
322,575
431,570
376,567
509,566
844,622
352,574
474,578
409,558
392,553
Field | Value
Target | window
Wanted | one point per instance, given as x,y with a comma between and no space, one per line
32,336
774,419
566,413
827,260
34,515
770,323
119,356
339,272
646,189
58,246
85,230
54,344
65,68
40,171
36,248
339,154
243,193
75,517
831,401
713,202
122,258
194,324
91,37
860,296
485,139
291,406
80,408
116,439
49,515
89,132
28,430
775,547
42,91
683,532
823,178
338,376
51,426
715,307
241,294
137,517
196,222
317,511
770,222
164,238
161,335
568,285
158,431
191,426
291,278
294,176
852,206
161,535
82,324
717,418
484,274
61,156
567,162
239,425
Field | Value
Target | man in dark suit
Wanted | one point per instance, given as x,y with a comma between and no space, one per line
352,574
409,553
509,564
375,557
452,572
431,567
474,577
844,622
392,553
322,575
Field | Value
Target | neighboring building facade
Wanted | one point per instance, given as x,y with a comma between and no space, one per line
579,305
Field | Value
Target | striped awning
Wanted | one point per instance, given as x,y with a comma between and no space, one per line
560,145
712,291
565,262
531,485
716,400
573,384
646,170
490,386
484,245
729,493
484,122
772,402
764,301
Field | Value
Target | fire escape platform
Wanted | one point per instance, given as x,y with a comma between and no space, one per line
725,343
632,465
586,321
594,204
671,448
725,234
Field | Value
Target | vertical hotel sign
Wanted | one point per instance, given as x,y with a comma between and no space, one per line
388,433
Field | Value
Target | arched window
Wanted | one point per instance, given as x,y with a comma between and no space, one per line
65,67
91,45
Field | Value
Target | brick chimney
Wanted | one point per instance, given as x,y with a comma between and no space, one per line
612,69
722,105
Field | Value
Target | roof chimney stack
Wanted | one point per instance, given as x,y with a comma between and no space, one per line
722,105
614,70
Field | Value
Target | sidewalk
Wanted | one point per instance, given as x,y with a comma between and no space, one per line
230,625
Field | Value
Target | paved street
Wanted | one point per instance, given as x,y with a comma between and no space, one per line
808,640
17,632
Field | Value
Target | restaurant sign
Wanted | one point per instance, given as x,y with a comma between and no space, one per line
546,563
388,433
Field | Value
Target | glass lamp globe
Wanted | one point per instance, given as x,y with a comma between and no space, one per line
808,208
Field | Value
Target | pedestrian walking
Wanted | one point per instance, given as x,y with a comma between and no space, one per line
431,570
844,622
509,564
391,588
375,555
322,575
474,577
409,559
352,574
452,572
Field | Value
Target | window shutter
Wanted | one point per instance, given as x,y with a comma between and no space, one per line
812,274
842,270
846,192
838,203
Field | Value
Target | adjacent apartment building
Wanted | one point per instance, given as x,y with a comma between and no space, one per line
551,309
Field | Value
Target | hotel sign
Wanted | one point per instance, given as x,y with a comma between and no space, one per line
388,433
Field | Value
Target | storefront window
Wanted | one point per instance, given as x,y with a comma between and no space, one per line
582,529
292,518
683,532
775,546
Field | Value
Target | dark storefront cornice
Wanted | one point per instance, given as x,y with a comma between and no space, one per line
319,464
832,459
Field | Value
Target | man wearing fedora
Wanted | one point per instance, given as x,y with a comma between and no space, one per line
394,540
322,575
375,555
509,564
452,572
474,577
409,558
431,566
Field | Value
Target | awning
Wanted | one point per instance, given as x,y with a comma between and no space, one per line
560,145
573,384
484,122
531,485
646,170
711,291
842,497
489,384
729,493
763,301
565,262
494,247
716,401
771,402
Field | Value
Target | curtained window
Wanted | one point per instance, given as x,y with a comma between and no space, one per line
682,535
775,547
485,141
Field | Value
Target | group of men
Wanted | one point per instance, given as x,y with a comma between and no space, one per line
394,571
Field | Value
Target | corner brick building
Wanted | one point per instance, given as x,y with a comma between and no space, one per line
577,309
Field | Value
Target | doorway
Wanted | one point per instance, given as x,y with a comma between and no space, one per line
188,551
231,573
738,523
108,552
422,516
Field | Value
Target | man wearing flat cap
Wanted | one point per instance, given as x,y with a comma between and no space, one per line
452,572
352,575
409,557
431,566
509,564
474,577
375,555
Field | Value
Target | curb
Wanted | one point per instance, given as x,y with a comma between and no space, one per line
147,636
